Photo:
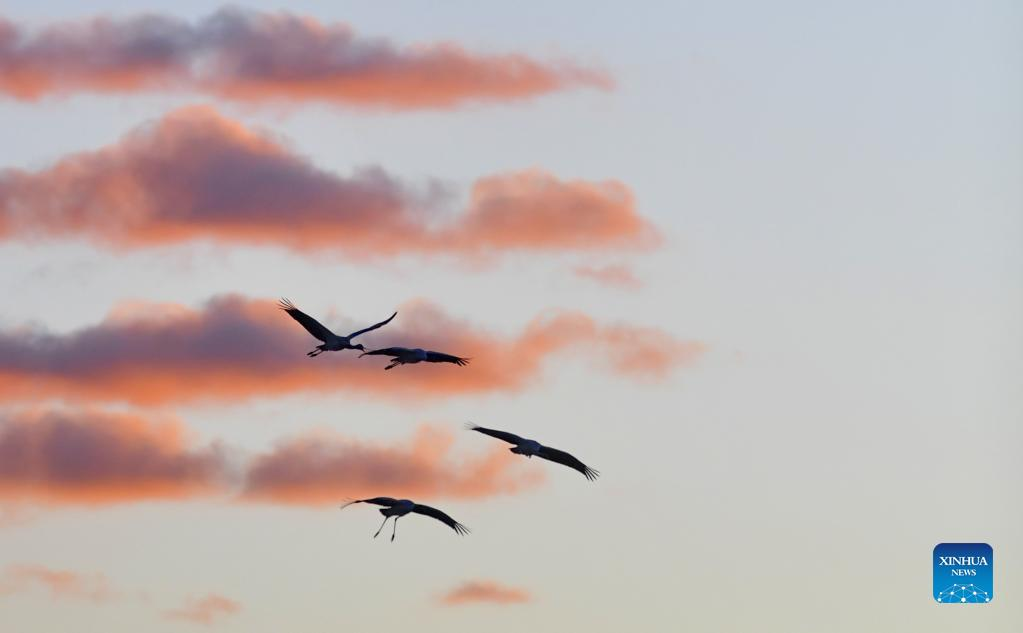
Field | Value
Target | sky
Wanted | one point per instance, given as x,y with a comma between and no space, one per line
758,264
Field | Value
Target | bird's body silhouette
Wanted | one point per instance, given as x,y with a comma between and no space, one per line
410,356
529,448
398,508
331,342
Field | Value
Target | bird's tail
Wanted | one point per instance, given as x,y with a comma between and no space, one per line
349,502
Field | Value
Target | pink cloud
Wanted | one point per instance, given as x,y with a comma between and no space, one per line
58,583
195,175
616,275
484,591
91,457
205,610
52,458
324,468
252,57
235,348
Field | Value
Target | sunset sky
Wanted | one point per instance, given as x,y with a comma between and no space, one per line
759,264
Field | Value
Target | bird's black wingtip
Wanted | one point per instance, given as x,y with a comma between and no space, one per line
472,426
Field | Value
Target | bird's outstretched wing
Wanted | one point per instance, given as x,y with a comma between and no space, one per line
440,516
380,501
511,438
311,325
372,327
387,351
438,357
563,458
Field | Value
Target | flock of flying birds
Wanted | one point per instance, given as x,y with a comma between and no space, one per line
398,508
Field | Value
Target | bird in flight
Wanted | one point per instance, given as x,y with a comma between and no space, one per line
400,507
331,342
532,447
406,356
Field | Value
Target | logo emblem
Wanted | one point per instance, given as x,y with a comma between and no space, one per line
963,573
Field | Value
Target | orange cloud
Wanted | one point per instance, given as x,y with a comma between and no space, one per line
235,348
267,57
195,175
614,275
477,591
59,583
205,610
90,457
325,468
515,211
95,458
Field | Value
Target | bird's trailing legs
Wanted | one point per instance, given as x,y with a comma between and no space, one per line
316,352
382,527
395,529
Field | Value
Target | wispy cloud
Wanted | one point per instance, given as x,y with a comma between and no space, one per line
267,57
59,583
484,591
15,514
195,175
92,457
63,584
205,610
235,348
325,467
615,275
